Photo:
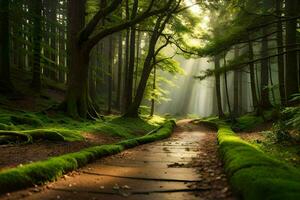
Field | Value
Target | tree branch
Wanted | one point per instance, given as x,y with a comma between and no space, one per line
101,14
148,13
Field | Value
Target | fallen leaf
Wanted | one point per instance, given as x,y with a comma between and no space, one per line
116,187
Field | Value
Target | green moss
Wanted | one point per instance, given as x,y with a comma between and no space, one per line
28,120
5,127
125,127
48,170
58,127
252,173
252,120
247,122
46,134
55,135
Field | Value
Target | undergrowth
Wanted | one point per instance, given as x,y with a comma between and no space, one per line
16,126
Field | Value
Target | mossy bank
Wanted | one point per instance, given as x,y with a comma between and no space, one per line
253,174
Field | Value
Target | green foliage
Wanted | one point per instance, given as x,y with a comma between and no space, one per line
232,65
164,64
289,119
253,174
280,129
251,120
291,115
247,122
49,170
27,120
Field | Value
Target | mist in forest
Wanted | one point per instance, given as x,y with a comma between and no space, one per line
188,95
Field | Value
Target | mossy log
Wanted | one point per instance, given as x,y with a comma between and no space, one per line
18,136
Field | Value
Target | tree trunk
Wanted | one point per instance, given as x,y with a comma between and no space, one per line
264,84
291,78
80,44
147,68
62,46
36,8
130,72
226,89
120,67
126,64
272,83
138,51
53,38
46,38
77,100
134,107
280,58
236,86
110,74
153,88
92,84
252,76
218,88
5,82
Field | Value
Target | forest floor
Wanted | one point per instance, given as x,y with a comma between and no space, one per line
25,114
184,166
20,154
264,138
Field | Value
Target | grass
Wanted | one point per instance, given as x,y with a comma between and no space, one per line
49,170
253,174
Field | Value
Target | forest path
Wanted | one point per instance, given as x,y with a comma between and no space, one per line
184,166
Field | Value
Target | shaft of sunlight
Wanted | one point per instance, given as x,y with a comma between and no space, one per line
193,6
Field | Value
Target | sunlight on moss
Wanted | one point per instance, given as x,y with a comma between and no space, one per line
253,174
62,128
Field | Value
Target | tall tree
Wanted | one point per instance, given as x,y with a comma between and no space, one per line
81,40
236,86
77,96
36,8
218,87
226,88
130,69
126,60
153,88
264,83
120,69
252,74
110,73
161,22
280,49
291,78
5,82
53,37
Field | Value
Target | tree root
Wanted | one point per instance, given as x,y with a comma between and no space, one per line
15,136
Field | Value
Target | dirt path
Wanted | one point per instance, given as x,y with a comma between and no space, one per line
183,167
14,155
